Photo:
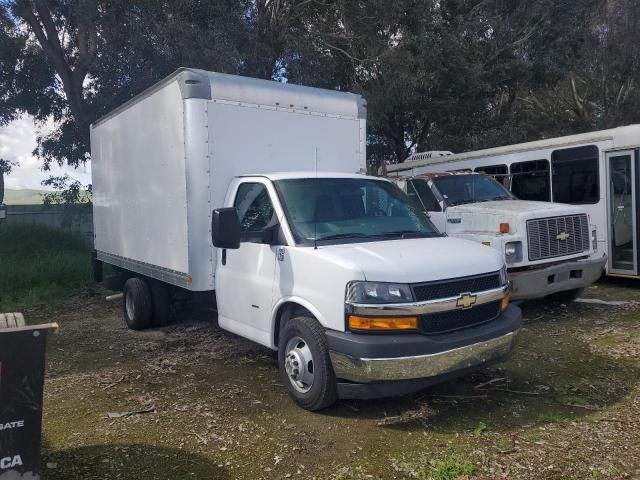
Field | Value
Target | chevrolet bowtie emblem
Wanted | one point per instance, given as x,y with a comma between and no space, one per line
466,300
562,236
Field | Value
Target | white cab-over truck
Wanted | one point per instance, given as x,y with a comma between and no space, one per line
549,248
216,185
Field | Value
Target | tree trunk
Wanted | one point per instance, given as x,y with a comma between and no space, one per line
71,64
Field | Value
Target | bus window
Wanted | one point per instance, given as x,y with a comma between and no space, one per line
575,175
530,180
492,170
499,172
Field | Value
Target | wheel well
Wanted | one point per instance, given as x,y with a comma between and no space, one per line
285,312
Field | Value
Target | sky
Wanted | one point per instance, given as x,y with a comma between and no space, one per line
17,141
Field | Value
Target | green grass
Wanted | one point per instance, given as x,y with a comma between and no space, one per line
450,468
25,196
553,418
40,265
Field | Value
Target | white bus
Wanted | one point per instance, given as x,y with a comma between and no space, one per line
599,170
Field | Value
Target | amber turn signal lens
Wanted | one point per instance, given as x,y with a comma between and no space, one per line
504,228
378,324
504,303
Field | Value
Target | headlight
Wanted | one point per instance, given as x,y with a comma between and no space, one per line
374,292
513,252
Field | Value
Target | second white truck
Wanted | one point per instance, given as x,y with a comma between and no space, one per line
549,249
221,187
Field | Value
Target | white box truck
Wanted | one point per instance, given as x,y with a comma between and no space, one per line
221,185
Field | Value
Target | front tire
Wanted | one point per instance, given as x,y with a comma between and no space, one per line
305,366
137,305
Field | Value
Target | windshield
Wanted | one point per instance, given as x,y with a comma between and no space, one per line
460,189
350,209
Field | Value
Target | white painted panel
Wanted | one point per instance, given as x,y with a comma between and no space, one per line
139,183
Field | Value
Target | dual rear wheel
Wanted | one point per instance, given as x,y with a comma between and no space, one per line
146,303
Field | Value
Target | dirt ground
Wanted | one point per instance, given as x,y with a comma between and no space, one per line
565,406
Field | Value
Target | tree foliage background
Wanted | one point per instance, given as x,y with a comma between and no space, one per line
437,74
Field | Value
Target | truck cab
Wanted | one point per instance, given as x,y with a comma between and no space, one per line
358,291
549,249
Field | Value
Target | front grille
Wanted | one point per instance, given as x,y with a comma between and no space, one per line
545,236
458,319
454,287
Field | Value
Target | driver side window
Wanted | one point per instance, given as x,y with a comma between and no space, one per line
254,208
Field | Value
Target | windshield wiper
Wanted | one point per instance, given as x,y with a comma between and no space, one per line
461,202
409,234
343,235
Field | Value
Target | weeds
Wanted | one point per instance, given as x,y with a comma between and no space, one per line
448,468
553,418
480,429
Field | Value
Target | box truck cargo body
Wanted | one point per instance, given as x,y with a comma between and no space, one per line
248,191
162,162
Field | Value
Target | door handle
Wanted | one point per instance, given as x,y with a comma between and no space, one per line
224,256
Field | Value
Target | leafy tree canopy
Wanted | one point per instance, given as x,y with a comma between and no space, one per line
437,74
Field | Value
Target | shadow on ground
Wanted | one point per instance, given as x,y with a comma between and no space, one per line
128,461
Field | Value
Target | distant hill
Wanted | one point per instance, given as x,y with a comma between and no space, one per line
24,196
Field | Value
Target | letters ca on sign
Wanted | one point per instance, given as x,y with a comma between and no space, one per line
10,462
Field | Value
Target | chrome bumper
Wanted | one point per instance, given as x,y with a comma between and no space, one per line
367,370
538,283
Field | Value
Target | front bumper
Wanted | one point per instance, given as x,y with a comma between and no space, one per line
378,365
571,275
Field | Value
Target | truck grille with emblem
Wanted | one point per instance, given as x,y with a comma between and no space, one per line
557,236
467,313
452,288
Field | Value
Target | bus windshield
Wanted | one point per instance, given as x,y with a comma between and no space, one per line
342,210
460,189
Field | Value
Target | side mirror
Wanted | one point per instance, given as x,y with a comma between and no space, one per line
225,228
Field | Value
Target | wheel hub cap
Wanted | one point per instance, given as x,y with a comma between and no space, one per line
298,363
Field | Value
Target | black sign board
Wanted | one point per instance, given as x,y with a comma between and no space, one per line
22,362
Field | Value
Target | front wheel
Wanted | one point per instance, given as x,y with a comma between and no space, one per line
305,366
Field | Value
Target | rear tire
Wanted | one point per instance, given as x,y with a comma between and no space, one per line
161,298
137,305
305,366
566,296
